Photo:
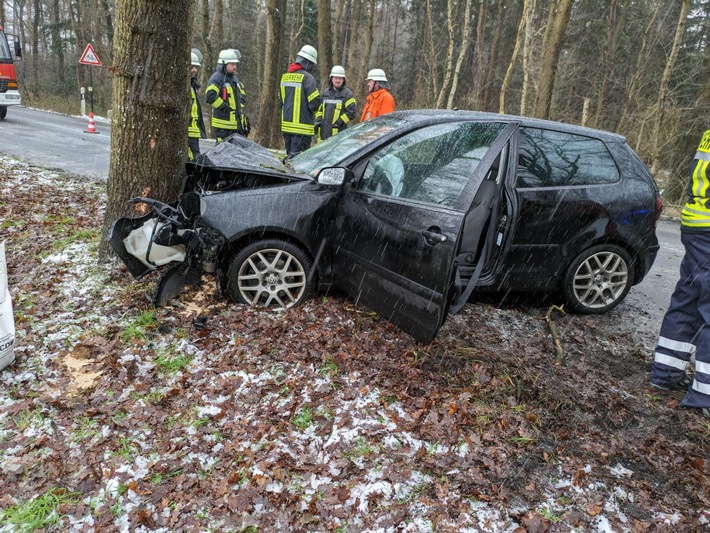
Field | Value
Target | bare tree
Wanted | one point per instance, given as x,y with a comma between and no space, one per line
514,57
266,130
465,45
663,89
150,102
325,38
551,46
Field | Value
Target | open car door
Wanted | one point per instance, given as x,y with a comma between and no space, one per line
398,229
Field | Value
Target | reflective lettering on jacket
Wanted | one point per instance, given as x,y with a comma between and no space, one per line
335,104
696,212
299,101
225,93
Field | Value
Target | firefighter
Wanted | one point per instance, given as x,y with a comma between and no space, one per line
300,99
379,100
225,93
686,326
337,108
196,125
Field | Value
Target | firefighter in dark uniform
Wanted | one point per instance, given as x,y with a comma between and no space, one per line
196,124
300,99
686,326
337,108
225,93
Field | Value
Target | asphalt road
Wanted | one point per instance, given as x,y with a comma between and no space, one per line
60,142
57,142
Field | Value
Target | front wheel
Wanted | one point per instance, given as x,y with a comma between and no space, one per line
598,279
271,272
3,111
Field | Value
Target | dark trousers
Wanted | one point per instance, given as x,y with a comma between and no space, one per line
193,144
686,325
220,134
295,144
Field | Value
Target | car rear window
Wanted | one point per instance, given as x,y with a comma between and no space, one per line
550,158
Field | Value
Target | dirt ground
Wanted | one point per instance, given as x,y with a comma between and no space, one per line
208,416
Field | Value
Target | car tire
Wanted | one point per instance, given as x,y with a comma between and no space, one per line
3,111
270,272
598,279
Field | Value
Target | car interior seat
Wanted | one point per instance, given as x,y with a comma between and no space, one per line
391,168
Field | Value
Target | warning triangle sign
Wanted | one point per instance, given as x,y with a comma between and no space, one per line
89,57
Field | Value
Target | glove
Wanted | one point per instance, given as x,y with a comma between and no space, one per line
316,128
247,127
339,124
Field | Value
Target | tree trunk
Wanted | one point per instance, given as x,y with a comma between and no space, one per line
631,92
449,65
150,103
465,44
616,25
665,81
560,11
529,15
478,77
267,127
514,57
325,56
57,45
492,57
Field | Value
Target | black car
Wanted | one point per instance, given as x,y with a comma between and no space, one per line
407,213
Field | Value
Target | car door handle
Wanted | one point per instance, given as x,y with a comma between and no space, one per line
434,236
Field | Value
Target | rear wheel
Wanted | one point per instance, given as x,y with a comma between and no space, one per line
598,279
3,111
270,273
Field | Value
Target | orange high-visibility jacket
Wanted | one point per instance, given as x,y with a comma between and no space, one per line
378,103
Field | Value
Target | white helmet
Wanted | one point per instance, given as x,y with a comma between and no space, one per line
309,53
376,74
195,59
230,55
198,53
338,71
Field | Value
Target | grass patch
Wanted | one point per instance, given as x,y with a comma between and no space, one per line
170,361
136,329
303,419
39,512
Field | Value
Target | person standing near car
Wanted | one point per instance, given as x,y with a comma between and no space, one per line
300,100
196,124
379,99
225,93
686,326
337,108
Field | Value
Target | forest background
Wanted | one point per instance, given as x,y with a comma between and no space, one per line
640,68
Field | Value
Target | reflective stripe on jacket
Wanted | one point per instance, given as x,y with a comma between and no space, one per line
696,212
378,103
225,93
300,100
196,126
336,104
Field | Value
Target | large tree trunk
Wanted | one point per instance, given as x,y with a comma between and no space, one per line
665,81
57,45
492,57
266,130
150,103
325,56
560,11
527,53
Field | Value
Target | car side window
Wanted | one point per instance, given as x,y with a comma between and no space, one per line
432,164
550,158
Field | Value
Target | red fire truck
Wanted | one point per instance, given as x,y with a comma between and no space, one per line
9,95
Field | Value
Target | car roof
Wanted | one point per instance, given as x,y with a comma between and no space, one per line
425,115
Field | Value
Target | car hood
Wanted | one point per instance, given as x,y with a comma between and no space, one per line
242,155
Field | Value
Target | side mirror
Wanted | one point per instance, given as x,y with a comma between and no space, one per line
18,50
334,176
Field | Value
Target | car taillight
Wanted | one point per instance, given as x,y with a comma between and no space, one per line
12,85
659,209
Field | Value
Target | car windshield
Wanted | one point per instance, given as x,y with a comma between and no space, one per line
332,151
